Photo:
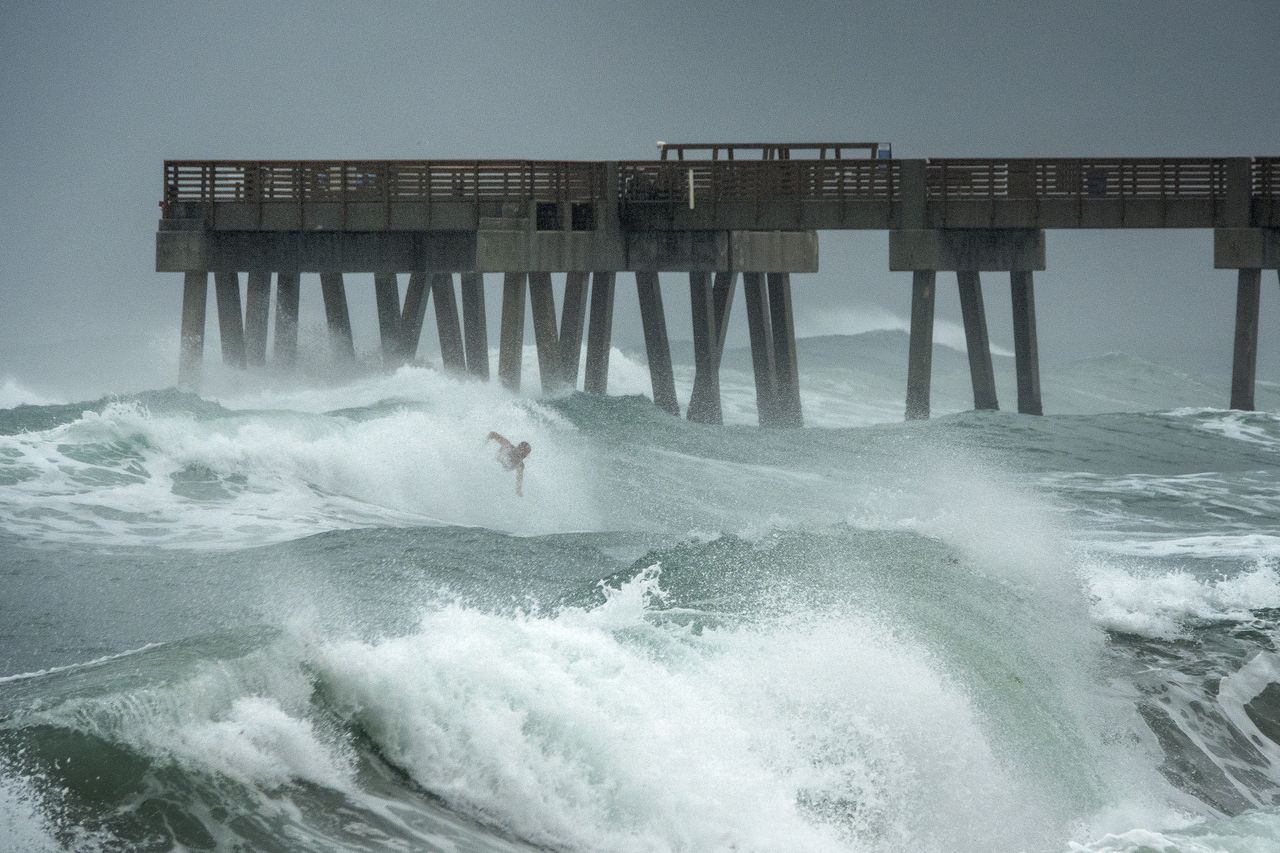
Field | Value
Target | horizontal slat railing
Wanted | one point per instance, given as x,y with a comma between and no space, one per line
759,182
1266,178
383,181
1076,178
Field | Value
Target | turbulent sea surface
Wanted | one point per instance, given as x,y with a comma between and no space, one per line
280,617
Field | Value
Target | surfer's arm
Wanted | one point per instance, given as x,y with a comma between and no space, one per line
520,480
501,439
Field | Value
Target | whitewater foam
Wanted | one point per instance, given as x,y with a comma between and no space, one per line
24,824
620,728
1162,604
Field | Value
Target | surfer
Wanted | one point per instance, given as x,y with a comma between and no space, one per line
511,457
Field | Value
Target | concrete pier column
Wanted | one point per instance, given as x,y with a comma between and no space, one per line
475,330
600,336
230,320
705,399
415,311
511,342
386,291
573,315
195,293
976,340
786,370
657,347
920,357
762,353
257,308
286,343
452,356
542,302
337,317
1244,364
1026,351
704,402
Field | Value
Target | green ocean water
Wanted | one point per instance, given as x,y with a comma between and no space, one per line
281,617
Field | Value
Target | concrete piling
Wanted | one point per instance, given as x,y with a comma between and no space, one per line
452,355
257,307
704,402
657,347
977,342
787,371
475,332
195,293
546,338
230,320
920,356
413,314
600,335
386,291
1244,362
286,342
511,342
337,317
1025,348
573,315
762,351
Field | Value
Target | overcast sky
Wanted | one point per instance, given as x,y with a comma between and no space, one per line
94,96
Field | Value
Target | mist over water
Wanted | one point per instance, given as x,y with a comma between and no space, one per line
294,614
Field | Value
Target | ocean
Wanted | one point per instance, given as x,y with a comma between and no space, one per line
301,615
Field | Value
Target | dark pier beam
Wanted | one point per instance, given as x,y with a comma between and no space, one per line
600,335
386,292
920,358
475,331
230,320
762,352
511,343
415,311
787,371
1025,348
977,342
1244,364
657,347
286,343
337,317
452,356
256,311
195,293
542,303
573,315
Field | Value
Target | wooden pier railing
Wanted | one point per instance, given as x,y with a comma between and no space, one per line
949,184
382,180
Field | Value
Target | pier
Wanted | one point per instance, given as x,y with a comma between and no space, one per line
726,214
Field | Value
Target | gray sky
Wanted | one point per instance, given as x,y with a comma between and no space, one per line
95,95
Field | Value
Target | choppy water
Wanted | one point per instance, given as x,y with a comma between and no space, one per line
289,618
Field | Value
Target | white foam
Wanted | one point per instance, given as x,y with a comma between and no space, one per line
246,720
1160,604
1262,429
24,826
611,728
40,673
287,474
13,393
1241,546
1253,832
